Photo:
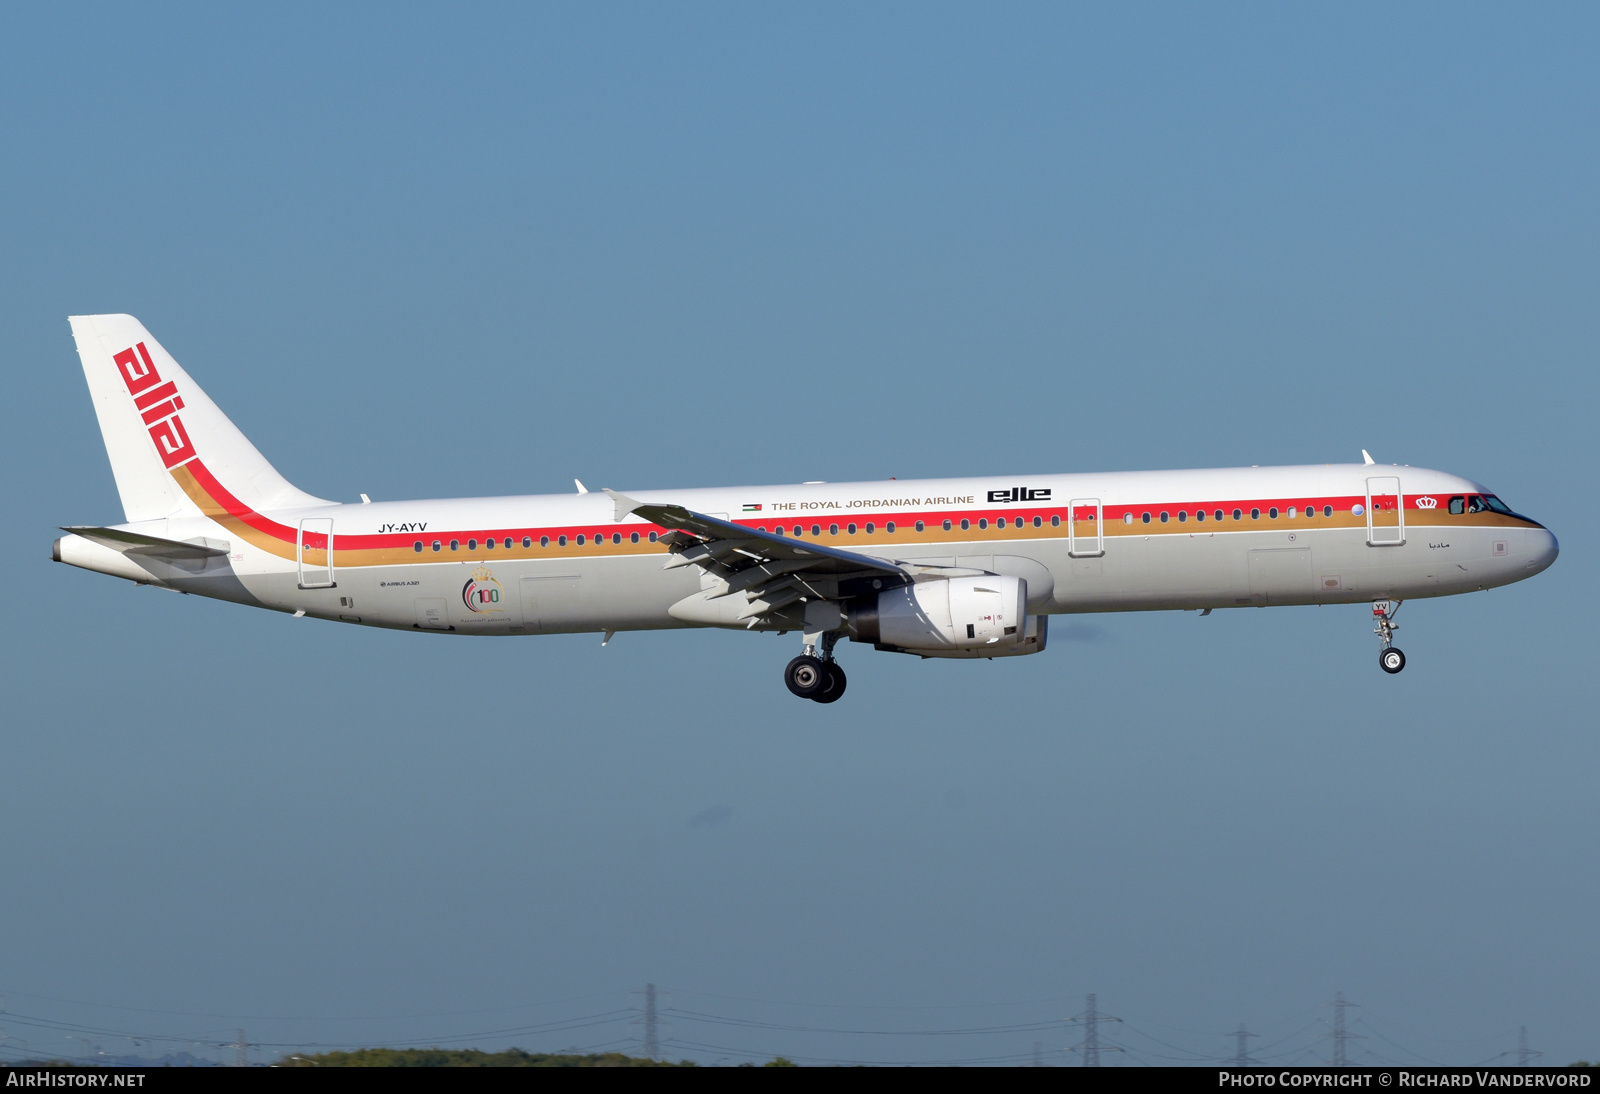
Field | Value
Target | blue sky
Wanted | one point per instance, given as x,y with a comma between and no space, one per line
416,252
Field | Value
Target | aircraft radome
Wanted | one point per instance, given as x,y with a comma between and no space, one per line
954,568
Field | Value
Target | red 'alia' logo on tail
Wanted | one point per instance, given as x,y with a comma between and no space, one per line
158,404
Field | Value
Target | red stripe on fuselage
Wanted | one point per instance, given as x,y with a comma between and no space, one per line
227,504
233,507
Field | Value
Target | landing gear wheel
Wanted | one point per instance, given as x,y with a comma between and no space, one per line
834,688
1391,660
807,676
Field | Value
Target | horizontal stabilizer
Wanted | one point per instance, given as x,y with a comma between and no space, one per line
153,546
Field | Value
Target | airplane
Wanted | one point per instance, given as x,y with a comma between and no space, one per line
967,568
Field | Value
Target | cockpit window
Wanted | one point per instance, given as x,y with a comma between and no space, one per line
1478,503
1458,505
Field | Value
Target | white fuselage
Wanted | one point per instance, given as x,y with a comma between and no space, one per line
1117,541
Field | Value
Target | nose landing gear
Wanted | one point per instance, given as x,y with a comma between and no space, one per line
1390,659
819,679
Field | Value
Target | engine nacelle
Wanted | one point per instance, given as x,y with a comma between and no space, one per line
949,617
1035,632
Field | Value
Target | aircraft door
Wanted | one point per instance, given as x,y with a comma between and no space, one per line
431,614
1386,512
314,550
1086,535
1281,575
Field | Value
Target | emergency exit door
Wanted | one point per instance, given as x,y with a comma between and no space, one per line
1386,512
314,548
1086,535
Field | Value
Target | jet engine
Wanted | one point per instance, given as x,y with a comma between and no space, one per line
952,617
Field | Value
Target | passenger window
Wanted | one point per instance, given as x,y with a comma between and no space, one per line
1055,520
851,528
921,527
455,545
472,545
966,524
561,541
417,546
1218,515
616,537
946,526
1127,518
1199,514
580,539
983,522
1163,517
1145,517
816,529
489,543
1327,510
778,531
889,527
1038,522
1273,512
1183,515
1238,515
634,538
652,537
833,529
869,528
544,541
1458,505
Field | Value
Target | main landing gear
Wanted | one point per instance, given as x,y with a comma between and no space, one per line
819,679
1390,659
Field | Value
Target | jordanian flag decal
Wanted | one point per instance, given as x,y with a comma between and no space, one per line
752,508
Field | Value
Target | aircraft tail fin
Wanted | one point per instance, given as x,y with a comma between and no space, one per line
155,421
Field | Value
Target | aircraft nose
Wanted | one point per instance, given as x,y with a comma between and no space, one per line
1545,550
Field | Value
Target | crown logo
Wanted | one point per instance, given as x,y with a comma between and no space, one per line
1427,503
483,573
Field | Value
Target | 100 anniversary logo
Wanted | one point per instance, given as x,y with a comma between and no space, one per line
482,593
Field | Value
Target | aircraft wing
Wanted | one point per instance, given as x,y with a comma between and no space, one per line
771,571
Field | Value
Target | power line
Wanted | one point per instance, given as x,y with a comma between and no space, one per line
1341,1035
326,1018
1241,1053
1350,1036
1524,1054
755,1023
1090,1019
652,1043
873,1006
